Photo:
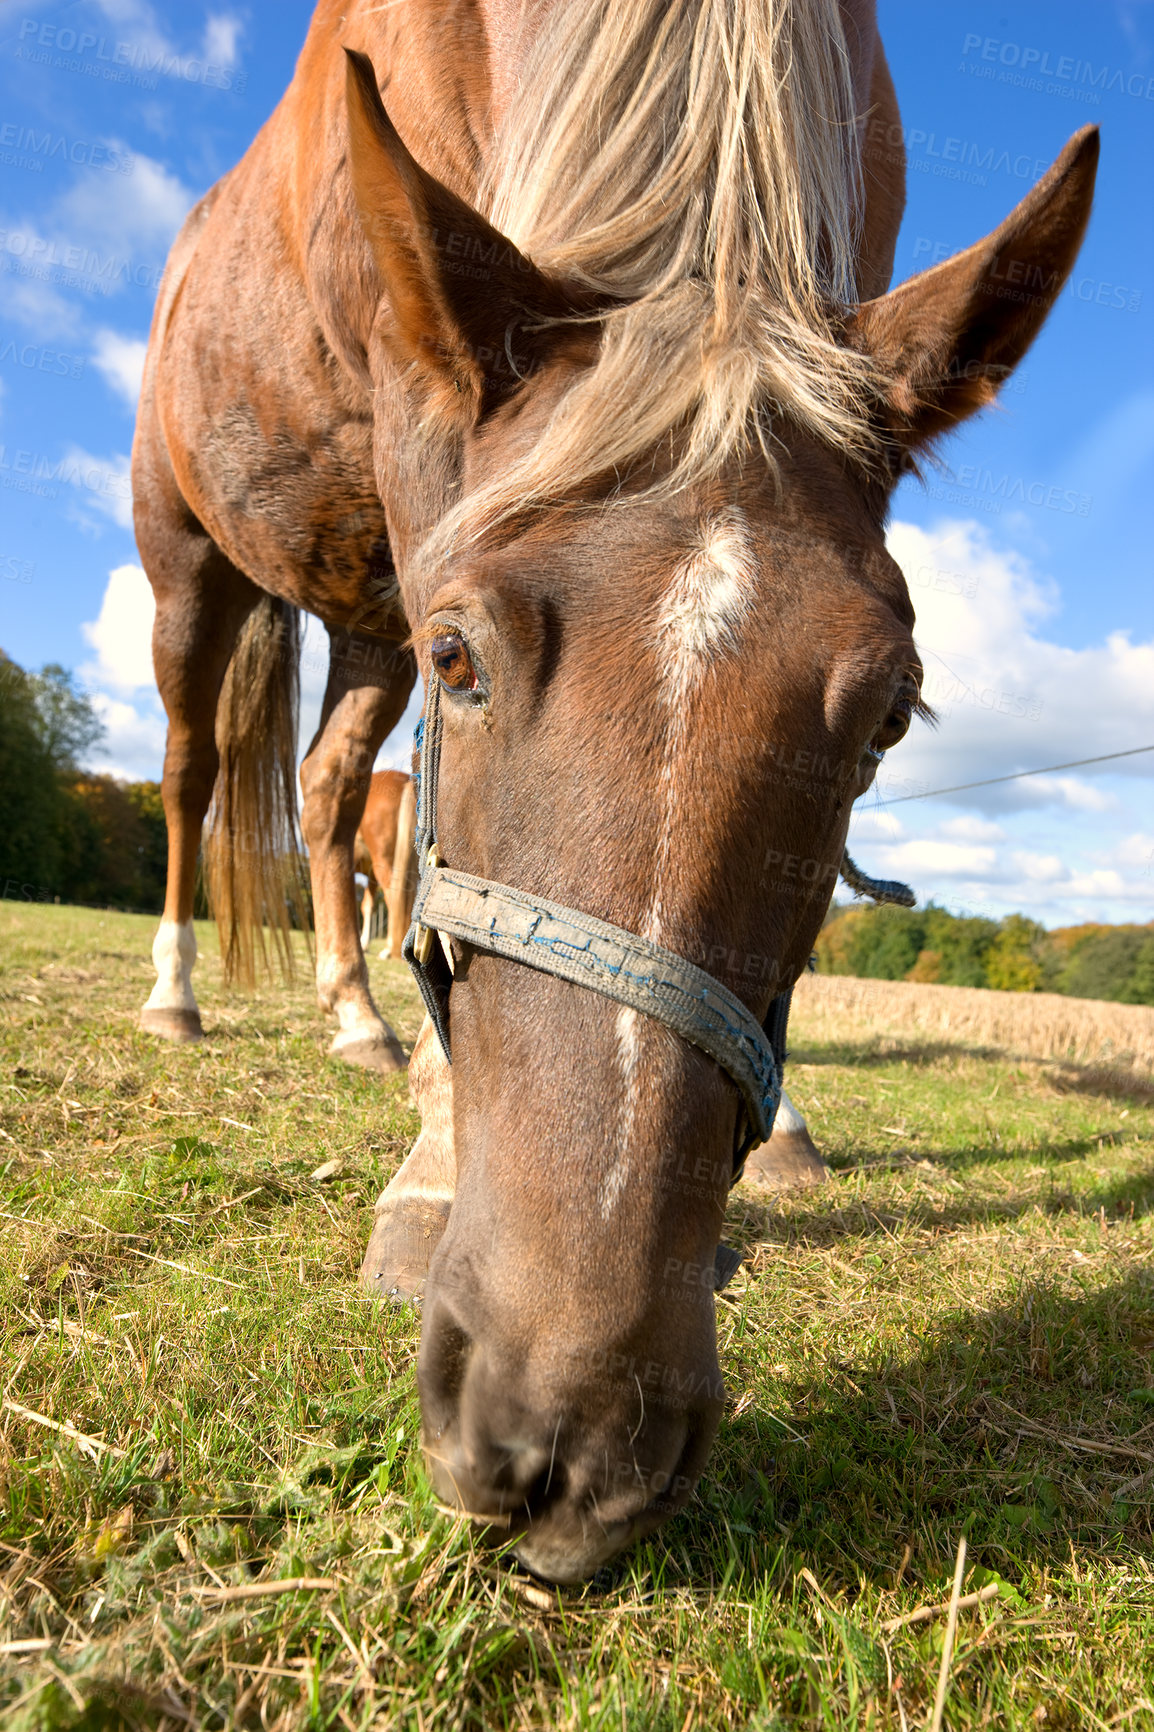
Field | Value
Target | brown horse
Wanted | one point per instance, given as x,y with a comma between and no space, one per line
587,339
383,852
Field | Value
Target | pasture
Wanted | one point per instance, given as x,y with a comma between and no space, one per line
212,1506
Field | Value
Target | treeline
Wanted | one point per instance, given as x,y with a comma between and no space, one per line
67,834
1011,955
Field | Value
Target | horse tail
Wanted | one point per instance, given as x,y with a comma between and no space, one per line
253,865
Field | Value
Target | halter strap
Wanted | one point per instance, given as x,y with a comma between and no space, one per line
587,951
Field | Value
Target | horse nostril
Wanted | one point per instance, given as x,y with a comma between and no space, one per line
547,1484
447,1359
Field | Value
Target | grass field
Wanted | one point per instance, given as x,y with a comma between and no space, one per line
954,1338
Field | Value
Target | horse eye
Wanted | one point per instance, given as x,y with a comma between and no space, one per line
452,663
895,727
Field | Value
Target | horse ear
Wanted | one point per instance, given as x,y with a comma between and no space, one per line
945,340
468,307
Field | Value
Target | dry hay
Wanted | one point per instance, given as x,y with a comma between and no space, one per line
1024,1024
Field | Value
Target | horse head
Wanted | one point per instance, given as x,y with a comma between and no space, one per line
655,689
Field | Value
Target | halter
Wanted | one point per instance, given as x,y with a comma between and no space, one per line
578,947
620,965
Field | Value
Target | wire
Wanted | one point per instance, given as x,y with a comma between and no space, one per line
1078,763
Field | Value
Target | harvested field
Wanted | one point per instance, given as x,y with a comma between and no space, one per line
212,1508
1019,1024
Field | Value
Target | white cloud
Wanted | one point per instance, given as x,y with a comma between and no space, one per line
121,360
221,37
1062,848
314,674
38,307
943,859
1040,868
120,678
135,14
105,482
397,751
137,18
1010,699
1081,795
875,823
121,635
107,232
134,738
1136,850
970,829
130,218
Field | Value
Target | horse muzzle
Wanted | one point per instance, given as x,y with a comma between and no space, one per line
577,1466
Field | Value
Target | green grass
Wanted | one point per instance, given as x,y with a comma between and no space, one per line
953,1338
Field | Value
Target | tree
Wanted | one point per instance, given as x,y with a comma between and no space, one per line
962,942
1013,955
70,727
1013,961
1139,988
111,846
887,943
1103,962
46,726
835,940
29,793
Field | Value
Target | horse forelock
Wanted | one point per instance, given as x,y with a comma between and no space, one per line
698,164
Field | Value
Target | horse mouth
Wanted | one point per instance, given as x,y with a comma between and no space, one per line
559,1534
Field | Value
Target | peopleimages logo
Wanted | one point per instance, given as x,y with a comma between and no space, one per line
1032,67
25,253
98,56
40,360
950,157
30,147
982,490
33,472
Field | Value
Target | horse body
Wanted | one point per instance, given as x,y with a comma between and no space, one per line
622,466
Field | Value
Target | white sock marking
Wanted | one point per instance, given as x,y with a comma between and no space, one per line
788,1118
173,957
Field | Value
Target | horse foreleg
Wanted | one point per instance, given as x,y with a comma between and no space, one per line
368,903
413,1210
402,887
789,1159
202,601
335,778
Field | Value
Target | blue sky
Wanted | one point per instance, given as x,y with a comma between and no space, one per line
1028,554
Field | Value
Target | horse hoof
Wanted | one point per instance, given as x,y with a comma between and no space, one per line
406,1232
178,1025
786,1162
379,1052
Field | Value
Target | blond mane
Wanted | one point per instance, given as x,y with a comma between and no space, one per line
699,160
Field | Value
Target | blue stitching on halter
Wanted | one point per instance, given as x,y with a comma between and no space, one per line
763,1067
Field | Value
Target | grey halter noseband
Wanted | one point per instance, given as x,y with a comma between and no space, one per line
590,952
593,953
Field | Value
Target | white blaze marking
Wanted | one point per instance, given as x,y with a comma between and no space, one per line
710,595
173,956
628,1060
